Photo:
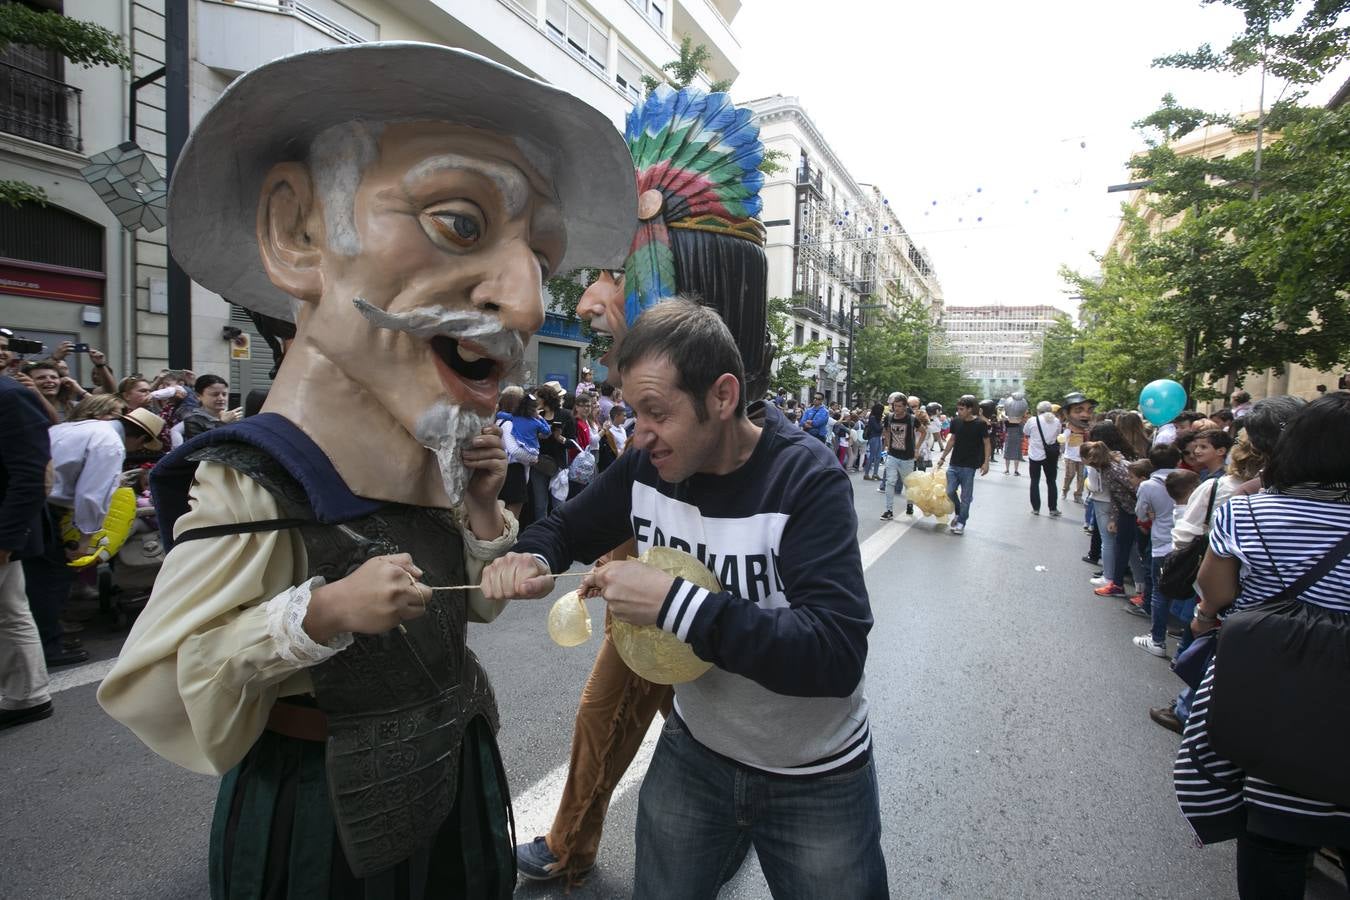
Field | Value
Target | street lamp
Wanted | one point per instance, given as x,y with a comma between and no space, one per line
853,311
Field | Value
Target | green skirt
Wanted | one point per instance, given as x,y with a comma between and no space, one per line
273,836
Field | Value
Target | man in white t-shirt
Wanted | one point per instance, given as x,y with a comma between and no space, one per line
1043,451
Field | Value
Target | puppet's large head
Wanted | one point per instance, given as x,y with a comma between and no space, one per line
1078,409
697,158
400,203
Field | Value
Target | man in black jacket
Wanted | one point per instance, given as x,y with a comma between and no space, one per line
24,455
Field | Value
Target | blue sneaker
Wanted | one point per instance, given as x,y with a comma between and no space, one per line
536,862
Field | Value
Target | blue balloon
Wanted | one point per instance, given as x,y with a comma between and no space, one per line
1160,401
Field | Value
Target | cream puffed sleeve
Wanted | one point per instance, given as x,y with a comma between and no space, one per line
201,668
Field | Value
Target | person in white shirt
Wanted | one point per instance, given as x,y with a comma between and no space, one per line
87,459
1043,452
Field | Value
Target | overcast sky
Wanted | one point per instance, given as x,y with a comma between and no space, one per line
993,127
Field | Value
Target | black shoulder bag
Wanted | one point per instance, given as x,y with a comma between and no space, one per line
1176,581
1279,704
1051,450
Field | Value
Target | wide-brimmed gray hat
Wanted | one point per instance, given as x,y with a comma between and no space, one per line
270,115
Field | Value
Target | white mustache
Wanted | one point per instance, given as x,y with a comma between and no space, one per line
502,344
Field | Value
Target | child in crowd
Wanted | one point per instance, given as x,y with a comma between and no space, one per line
527,426
1181,484
1140,470
613,439
513,488
843,436
1156,504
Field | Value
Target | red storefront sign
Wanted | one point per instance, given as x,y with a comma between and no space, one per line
51,283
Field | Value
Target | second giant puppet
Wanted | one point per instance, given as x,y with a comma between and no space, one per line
697,157
1077,421
401,204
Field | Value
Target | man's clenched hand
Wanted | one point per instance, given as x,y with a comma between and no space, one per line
516,576
634,590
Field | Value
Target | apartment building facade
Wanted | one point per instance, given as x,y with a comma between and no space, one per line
598,50
835,245
64,266
997,343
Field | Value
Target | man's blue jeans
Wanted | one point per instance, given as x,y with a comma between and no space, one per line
896,470
699,814
962,477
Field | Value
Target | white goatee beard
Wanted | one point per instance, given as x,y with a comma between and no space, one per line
446,429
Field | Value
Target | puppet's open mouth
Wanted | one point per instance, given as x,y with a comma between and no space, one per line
462,361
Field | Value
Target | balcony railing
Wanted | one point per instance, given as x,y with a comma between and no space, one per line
808,177
805,306
39,108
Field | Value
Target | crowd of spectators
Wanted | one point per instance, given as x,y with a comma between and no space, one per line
68,447
1260,492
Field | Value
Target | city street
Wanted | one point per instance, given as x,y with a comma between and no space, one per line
1009,712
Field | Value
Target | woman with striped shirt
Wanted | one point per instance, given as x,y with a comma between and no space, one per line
1303,513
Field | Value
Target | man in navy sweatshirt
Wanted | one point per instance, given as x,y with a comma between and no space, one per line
771,747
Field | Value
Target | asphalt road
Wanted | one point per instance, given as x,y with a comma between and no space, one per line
1009,713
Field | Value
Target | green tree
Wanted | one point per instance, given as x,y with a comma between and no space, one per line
1054,367
793,364
1297,238
1125,341
1249,273
903,350
691,63
83,43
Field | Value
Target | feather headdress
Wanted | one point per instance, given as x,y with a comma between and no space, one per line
697,158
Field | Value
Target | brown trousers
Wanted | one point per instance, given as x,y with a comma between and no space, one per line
1073,477
616,709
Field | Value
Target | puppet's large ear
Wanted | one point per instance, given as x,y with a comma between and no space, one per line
290,231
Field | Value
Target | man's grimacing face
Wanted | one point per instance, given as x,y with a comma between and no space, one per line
668,427
446,217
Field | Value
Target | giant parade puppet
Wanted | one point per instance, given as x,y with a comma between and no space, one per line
401,204
697,159
1077,410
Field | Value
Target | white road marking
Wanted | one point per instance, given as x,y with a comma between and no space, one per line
884,537
81,675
